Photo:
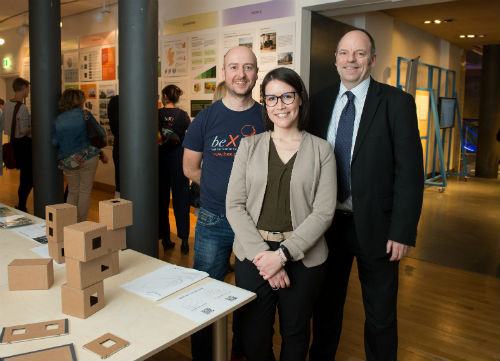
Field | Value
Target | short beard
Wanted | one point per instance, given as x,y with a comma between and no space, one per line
238,95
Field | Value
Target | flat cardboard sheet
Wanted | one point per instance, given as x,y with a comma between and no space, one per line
97,346
32,331
59,353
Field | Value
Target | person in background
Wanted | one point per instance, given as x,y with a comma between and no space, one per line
2,102
173,124
21,138
76,156
280,201
373,129
220,91
114,124
214,137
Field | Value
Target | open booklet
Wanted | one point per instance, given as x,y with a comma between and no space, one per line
14,221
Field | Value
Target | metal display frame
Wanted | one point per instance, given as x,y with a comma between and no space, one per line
437,176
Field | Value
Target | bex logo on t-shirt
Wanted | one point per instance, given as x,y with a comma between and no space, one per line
227,146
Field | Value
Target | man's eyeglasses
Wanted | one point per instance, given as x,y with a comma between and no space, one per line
286,98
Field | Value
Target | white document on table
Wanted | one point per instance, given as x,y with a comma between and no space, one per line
206,301
35,232
164,281
43,251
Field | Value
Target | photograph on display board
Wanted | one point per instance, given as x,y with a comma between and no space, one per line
106,91
268,42
285,58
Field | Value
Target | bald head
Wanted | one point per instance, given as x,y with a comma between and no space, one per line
239,52
364,33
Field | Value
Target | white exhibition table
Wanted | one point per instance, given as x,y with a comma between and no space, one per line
148,327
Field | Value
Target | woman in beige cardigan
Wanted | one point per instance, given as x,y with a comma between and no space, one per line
280,200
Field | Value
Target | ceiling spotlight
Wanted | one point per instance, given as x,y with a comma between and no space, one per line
99,18
2,41
437,21
481,35
462,36
427,22
21,30
470,36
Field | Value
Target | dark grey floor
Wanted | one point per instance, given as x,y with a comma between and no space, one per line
460,227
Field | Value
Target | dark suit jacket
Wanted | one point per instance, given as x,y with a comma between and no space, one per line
387,165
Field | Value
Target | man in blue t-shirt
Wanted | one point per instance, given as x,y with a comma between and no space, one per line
214,137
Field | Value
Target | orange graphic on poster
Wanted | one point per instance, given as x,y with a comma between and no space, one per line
90,90
108,63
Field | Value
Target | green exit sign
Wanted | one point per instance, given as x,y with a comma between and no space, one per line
6,63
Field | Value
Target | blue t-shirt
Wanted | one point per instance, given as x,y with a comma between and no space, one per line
216,132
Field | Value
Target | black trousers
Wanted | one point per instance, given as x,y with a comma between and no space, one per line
172,177
295,305
379,285
23,152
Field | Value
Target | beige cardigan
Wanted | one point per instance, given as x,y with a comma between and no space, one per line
313,194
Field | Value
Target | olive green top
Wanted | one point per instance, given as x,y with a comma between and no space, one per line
275,214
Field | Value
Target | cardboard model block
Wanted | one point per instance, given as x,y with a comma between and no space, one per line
30,274
61,353
32,331
117,239
115,213
85,241
58,216
82,303
115,261
56,251
83,274
99,346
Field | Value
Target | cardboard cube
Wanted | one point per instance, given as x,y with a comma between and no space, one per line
85,241
82,303
115,213
117,239
30,274
56,251
58,216
83,274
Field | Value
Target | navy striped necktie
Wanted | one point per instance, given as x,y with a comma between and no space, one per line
343,145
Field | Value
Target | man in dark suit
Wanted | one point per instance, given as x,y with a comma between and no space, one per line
373,129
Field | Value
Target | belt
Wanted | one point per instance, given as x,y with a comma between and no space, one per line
275,236
340,212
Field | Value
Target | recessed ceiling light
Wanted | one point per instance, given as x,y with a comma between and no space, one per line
437,21
2,41
427,22
462,36
470,36
481,35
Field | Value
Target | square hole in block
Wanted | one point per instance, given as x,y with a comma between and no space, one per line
108,343
52,326
51,231
19,331
51,218
62,251
96,242
115,201
94,299
104,268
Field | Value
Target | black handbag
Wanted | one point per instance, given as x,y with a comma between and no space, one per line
93,132
8,154
194,195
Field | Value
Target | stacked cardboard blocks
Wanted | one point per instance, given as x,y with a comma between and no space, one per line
90,251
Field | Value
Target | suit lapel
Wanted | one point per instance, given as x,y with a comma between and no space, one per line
372,102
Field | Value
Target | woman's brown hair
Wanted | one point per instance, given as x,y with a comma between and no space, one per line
71,98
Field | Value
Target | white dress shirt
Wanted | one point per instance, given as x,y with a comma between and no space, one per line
359,92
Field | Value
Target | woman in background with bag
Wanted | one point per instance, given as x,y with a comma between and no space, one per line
173,124
77,156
